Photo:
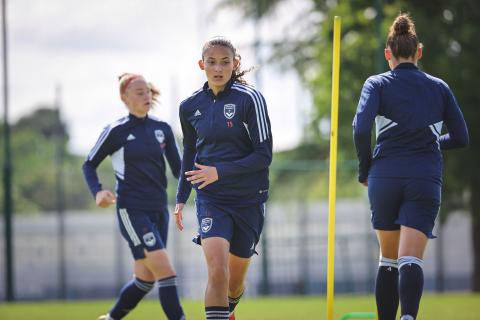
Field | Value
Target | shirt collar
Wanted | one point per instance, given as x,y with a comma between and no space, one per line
225,91
406,65
135,118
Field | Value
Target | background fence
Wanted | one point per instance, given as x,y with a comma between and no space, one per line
96,261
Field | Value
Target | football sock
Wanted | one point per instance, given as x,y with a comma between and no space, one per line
167,293
129,297
410,285
386,289
232,302
217,313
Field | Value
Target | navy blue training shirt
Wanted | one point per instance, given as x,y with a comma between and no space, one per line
409,108
230,131
138,147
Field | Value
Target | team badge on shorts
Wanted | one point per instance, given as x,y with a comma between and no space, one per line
160,136
149,239
229,110
206,224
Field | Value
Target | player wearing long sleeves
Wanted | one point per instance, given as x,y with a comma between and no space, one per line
404,172
230,131
138,145
227,144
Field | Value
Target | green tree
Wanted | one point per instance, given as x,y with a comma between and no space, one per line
37,139
446,28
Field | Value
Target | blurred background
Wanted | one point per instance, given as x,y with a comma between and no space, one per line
63,59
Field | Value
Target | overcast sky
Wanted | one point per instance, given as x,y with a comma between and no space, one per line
83,46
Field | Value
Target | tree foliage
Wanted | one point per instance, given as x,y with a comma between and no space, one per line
447,29
38,140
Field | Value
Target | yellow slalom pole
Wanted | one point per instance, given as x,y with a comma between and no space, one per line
332,183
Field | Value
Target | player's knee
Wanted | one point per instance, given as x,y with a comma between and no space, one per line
218,274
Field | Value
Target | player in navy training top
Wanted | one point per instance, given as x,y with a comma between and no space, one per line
227,144
404,172
138,145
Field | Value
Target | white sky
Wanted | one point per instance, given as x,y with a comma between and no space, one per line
84,45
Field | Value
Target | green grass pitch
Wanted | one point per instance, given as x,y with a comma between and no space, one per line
446,306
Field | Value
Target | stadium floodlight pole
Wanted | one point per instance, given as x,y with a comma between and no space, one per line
332,182
7,169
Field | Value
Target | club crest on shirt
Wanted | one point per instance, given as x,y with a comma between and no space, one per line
149,239
229,110
160,136
206,224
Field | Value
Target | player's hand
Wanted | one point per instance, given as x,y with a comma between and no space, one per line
204,175
179,215
365,183
104,198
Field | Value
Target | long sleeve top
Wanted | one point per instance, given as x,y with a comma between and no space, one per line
138,147
409,108
230,131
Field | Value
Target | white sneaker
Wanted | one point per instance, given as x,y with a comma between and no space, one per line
105,317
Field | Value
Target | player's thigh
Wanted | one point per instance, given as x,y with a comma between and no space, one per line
216,251
421,204
385,195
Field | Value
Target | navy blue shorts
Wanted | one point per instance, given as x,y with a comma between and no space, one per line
404,201
239,225
143,230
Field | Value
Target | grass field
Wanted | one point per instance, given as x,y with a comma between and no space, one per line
448,306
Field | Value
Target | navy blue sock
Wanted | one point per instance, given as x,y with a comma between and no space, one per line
232,302
386,289
168,295
410,285
217,313
129,297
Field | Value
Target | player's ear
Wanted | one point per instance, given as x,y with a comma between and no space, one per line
419,52
123,96
236,63
201,64
388,54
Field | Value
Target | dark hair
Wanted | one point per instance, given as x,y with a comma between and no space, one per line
402,38
237,74
126,78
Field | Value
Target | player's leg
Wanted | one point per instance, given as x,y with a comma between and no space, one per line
143,280
386,284
385,199
248,225
216,255
412,247
238,268
417,217
133,291
216,227
158,263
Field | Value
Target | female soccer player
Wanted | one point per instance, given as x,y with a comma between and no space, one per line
404,173
227,151
138,145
